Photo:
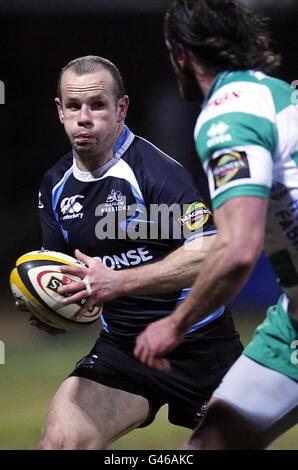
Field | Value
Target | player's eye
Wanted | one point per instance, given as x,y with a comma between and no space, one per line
73,106
97,105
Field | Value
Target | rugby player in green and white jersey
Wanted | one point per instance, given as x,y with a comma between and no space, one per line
247,138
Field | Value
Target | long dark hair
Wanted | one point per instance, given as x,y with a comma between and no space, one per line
222,35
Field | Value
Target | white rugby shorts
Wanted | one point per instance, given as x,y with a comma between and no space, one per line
267,399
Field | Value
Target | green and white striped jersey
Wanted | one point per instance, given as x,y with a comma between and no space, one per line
247,139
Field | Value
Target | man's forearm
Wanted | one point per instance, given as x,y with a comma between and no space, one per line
209,293
174,272
241,226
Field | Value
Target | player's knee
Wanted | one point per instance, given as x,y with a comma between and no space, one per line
51,441
54,439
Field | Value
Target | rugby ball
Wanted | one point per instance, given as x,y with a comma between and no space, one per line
34,282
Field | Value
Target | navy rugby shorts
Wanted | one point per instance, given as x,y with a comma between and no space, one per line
197,366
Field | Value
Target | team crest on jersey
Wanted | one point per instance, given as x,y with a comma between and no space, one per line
115,202
228,167
114,196
195,216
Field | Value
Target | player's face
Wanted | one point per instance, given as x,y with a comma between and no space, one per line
91,114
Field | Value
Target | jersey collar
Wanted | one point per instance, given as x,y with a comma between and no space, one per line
121,145
215,85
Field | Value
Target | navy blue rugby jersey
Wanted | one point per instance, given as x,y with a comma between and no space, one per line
134,210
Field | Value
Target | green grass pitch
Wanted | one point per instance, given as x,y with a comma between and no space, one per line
35,365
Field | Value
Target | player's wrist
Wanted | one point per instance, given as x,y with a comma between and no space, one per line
123,285
180,321
183,317
130,282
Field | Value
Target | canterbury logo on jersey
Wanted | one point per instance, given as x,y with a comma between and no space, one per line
71,207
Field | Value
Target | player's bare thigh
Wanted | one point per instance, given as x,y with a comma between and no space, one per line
87,415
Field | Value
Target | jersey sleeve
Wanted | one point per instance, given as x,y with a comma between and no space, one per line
176,205
237,141
52,237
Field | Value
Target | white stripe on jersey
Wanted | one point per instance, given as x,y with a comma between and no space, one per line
123,170
119,170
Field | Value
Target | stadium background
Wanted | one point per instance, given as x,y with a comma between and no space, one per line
37,38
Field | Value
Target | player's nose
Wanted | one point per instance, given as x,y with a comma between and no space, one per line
84,117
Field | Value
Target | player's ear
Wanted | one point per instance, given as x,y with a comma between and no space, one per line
60,110
182,56
178,55
122,107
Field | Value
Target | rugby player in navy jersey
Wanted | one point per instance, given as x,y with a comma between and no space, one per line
113,179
